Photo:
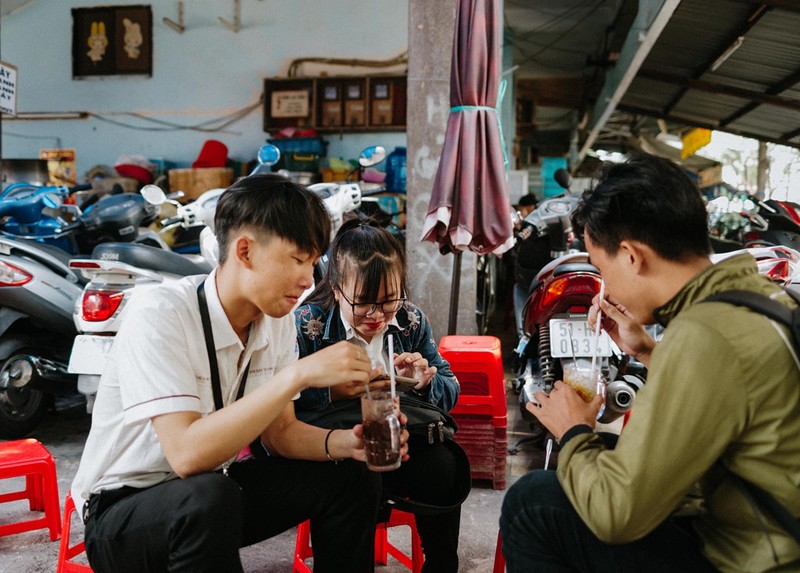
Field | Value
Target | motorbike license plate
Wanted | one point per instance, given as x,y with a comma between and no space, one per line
89,354
572,337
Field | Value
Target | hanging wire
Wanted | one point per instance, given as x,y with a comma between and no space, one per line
56,138
208,126
591,6
351,62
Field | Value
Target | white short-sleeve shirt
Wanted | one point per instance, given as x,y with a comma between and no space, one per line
159,365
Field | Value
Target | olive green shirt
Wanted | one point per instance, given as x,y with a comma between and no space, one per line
722,388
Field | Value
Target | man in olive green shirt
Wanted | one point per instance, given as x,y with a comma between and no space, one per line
722,397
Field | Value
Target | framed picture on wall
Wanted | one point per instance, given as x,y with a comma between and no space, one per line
112,40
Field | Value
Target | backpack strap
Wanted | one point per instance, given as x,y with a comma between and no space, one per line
763,304
779,312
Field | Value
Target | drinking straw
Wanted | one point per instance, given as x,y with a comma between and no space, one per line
572,345
547,452
391,366
597,335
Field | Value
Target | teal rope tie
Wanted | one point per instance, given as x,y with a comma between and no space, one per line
496,110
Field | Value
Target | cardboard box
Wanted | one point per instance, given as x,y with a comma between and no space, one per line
195,182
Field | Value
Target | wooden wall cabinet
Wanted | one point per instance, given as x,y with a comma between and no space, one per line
336,103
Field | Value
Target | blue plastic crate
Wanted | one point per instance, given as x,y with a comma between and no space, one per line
305,145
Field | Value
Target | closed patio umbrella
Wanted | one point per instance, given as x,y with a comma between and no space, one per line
469,207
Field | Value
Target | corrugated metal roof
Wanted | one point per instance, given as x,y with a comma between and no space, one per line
755,90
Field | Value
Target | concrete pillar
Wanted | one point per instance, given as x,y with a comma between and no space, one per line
430,42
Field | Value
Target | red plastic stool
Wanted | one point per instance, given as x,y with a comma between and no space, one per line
29,458
65,551
383,548
477,362
481,410
499,558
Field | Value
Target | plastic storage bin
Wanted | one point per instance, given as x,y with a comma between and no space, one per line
299,153
396,170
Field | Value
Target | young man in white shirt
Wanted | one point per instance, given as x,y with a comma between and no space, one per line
160,491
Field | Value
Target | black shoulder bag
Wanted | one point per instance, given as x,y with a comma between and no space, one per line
424,419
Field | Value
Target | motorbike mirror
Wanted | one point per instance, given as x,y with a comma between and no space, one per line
562,177
372,156
153,194
268,155
51,200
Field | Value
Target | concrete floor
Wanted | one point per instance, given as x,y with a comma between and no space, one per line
64,434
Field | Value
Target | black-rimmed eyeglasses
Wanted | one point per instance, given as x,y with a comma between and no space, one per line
366,308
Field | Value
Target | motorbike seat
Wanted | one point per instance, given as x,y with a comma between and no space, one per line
575,268
150,258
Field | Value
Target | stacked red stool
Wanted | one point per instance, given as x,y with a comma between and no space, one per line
31,460
481,411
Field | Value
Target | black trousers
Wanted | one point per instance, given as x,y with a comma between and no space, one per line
543,533
198,524
432,476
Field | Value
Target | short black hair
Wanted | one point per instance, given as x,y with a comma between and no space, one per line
272,205
647,199
366,252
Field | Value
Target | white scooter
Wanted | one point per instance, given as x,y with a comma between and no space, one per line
118,270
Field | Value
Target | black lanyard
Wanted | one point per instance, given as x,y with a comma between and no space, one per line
212,352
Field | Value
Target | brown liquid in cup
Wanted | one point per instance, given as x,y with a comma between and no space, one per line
577,381
378,439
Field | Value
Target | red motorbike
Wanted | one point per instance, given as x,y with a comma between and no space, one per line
552,311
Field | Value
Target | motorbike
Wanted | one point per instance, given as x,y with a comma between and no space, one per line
740,220
118,271
39,293
51,215
37,213
778,263
551,319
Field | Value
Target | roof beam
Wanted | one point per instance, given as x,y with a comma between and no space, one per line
783,140
783,4
780,87
791,134
722,89
651,19
752,20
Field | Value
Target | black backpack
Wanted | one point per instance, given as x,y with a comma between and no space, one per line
790,317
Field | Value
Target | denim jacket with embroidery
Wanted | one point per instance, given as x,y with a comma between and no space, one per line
318,329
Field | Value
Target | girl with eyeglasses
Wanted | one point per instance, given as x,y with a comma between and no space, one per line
362,298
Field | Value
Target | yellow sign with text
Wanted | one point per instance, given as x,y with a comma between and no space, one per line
695,140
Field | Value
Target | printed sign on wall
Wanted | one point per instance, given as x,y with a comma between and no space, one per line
60,165
8,88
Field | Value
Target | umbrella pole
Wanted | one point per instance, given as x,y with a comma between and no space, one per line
455,287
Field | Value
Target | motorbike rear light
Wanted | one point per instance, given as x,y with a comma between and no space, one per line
79,264
13,276
570,290
100,305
